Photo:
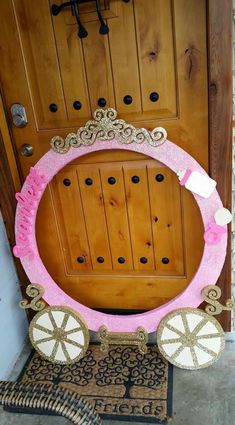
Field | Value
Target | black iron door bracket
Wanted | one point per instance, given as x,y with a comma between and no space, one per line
74,5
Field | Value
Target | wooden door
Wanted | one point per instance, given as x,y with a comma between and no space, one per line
129,245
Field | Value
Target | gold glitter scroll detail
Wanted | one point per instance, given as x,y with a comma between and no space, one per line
105,126
58,337
36,292
139,338
211,294
187,338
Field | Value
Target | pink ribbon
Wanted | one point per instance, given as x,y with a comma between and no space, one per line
187,173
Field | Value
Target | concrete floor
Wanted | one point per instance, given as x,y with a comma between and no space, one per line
204,397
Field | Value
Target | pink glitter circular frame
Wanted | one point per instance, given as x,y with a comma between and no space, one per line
208,272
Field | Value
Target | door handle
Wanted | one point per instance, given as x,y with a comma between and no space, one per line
74,4
26,150
104,29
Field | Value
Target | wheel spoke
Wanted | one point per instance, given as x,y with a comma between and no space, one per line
170,341
186,325
66,353
71,331
65,321
39,341
194,357
217,335
53,322
70,341
177,352
207,350
43,329
173,329
55,349
199,326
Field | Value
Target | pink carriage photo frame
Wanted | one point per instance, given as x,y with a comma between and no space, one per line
108,133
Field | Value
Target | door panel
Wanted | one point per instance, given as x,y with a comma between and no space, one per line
155,38
154,225
167,209
120,219
36,34
71,221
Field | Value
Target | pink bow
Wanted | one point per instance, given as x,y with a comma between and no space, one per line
213,233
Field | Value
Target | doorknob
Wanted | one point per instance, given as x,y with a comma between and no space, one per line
26,150
19,116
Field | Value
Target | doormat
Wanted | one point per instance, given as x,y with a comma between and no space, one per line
122,385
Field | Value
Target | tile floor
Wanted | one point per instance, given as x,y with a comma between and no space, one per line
204,397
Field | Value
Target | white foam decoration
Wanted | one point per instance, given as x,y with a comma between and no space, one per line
168,334
73,351
38,334
60,354
170,349
44,320
223,216
202,356
201,184
71,324
58,317
77,337
213,344
46,347
207,329
177,323
193,320
185,358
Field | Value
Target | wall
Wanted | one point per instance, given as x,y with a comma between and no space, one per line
13,321
233,173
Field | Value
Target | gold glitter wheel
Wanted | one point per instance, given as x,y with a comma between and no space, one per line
190,339
59,335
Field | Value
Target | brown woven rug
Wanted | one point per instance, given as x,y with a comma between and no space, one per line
123,385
